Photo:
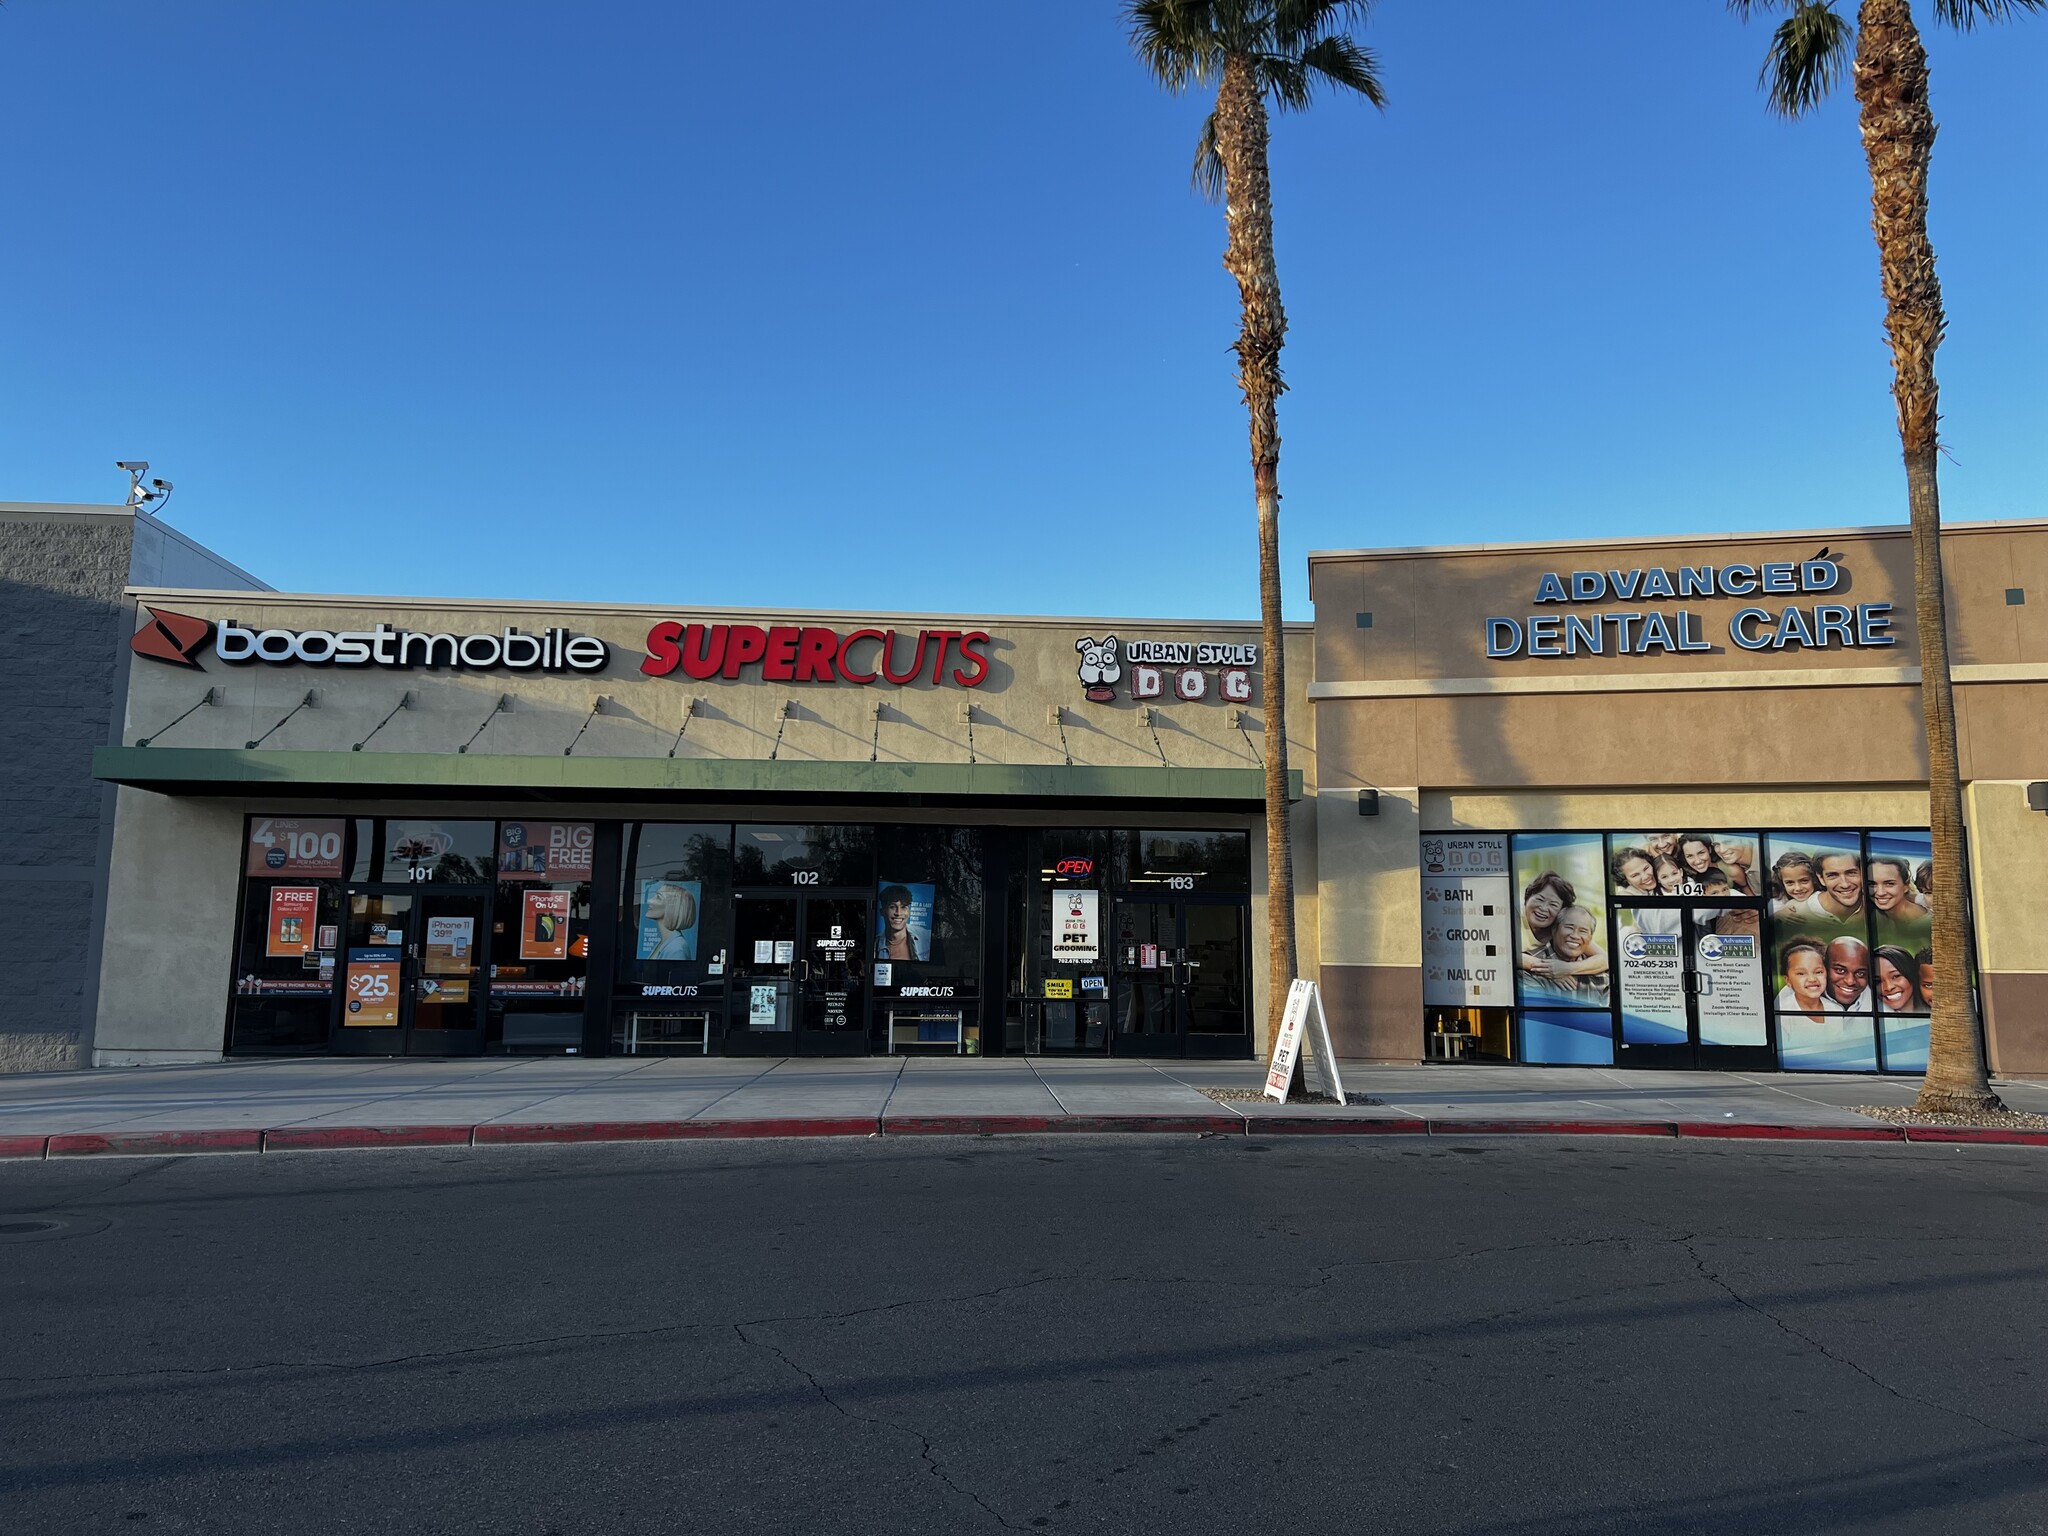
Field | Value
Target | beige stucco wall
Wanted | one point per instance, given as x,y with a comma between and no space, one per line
1032,672
168,983
167,966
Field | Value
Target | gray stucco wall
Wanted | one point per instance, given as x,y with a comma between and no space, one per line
61,609
64,626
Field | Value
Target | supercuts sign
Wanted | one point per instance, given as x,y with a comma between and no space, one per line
179,638
789,653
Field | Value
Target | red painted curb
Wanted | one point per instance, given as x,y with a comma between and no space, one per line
1979,1133
1552,1128
312,1138
23,1146
1736,1130
1332,1125
669,1130
1224,1125
969,1125
153,1143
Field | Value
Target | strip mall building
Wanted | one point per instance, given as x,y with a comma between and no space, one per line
1656,804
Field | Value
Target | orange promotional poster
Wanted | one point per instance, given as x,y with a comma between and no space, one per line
294,911
544,926
372,988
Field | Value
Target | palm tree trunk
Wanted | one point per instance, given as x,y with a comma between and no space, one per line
1241,142
1898,139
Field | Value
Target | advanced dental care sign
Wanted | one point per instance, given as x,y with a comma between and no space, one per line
1625,626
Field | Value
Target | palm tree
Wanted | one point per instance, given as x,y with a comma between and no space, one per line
1253,52
1887,61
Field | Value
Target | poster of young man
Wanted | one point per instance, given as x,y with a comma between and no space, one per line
1563,957
669,911
544,926
903,921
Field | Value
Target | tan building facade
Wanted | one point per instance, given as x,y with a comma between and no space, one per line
439,826
1543,711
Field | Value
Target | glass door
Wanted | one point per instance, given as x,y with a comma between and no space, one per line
1215,979
412,978
764,973
377,928
1689,980
1181,979
1150,1018
1727,962
833,1018
448,928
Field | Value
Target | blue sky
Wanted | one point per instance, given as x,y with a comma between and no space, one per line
908,306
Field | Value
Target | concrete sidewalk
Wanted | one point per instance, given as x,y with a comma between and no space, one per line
277,1105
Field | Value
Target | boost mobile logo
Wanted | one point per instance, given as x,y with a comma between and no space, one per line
172,637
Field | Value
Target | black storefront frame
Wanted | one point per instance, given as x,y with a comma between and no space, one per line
1768,928
1005,850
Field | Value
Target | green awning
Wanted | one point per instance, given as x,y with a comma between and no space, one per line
200,771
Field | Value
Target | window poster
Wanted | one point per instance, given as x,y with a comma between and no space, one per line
1077,928
1683,864
1652,978
450,941
903,921
296,847
1468,939
372,988
294,916
544,926
545,850
669,910
1563,958
1898,877
1730,969
768,1008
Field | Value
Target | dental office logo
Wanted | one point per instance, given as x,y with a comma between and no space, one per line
1816,626
172,637
178,638
1188,662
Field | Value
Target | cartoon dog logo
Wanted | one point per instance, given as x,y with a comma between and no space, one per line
1099,668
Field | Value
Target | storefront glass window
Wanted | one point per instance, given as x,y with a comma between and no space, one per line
1191,860
540,932
1813,946
821,855
1562,973
927,942
443,852
677,901
291,911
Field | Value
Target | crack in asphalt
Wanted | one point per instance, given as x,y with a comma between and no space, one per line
597,1335
927,1452
1714,1279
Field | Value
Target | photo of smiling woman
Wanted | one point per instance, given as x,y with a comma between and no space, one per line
1563,961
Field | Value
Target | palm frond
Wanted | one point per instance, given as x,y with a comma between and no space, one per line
1297,24
1963,15
1177,40
1338,61
1208,171
1809,52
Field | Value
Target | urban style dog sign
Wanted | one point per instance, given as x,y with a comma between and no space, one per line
1157,667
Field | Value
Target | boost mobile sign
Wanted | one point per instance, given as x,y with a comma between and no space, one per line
179,638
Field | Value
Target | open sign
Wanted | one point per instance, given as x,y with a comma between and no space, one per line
1074,869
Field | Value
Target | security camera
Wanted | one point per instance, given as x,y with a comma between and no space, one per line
162,485
133,466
